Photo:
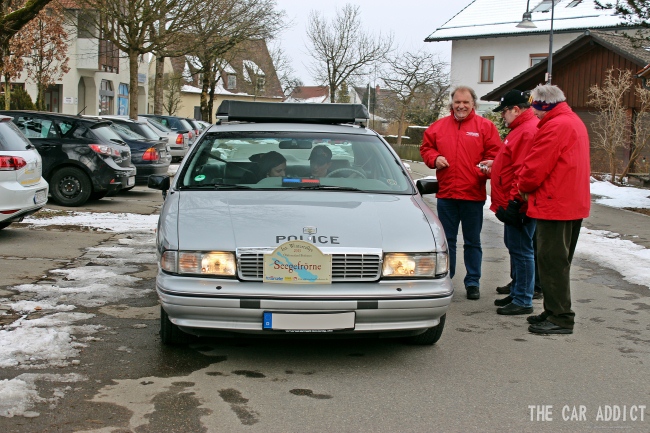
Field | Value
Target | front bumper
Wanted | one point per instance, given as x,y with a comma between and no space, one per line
235,306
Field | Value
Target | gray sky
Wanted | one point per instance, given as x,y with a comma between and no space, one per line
410,21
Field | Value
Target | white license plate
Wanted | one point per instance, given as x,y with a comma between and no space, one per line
309,322
40,196
130,181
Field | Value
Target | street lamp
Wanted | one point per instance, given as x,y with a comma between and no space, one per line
527,23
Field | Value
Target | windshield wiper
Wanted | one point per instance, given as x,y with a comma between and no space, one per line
327,187
217,186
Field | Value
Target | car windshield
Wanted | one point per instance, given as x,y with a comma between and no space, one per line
107,133
289,160
158,125
126,132
147,132
11,138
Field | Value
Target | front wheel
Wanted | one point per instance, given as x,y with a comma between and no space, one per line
430,336
170,334
70,186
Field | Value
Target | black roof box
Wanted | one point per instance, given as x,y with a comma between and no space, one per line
244,111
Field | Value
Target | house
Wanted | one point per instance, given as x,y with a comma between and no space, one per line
310,94
577,67
247,74
488,48
98,80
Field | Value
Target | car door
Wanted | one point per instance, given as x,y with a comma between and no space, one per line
46,137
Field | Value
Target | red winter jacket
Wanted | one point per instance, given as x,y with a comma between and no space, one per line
464,144
556,171
509,159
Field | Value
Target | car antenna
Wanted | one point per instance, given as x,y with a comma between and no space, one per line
84,109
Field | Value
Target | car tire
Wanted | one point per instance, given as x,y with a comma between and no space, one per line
170,334
430,336
70,186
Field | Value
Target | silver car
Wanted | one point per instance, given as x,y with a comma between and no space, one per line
285,219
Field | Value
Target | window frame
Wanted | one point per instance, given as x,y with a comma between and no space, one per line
490,62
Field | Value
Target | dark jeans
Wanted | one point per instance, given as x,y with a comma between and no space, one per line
556,243
522,262
469,214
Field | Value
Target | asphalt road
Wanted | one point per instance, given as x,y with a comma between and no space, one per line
486,374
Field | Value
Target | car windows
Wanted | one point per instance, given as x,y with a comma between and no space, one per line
11,137
65,127
144,130
361,162
34,127
107,134
156,123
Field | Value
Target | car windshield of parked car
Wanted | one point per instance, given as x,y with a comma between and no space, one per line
11,138
159,125
123,131
286,160
146,131
108,134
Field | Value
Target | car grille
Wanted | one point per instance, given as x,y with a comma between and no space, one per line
345,267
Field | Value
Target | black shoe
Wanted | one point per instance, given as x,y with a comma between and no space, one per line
547,327
537,294
513,309
503,302
473,292
537,319
504,290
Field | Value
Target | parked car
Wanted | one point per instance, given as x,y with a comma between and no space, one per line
283,219
178,141
149,152
175,123
196,128
82,158
23,191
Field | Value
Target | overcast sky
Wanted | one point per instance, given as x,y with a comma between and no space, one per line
410,21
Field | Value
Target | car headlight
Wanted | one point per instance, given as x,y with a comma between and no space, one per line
415,265
199,263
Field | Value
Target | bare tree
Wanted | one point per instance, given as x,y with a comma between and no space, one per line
172,84
224,25
13,16
342,50
130,25
46,60
611,127
411,78
284,70
641,129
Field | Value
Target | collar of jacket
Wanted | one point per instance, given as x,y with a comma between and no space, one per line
560,108
523,117
469,116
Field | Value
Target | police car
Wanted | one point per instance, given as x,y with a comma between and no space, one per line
297,219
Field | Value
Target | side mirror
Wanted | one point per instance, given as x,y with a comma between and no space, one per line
427,185
160,182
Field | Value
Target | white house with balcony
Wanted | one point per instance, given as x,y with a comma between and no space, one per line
488,48
98,80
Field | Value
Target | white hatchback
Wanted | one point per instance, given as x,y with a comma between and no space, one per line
23,190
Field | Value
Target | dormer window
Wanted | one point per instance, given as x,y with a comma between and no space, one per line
545,5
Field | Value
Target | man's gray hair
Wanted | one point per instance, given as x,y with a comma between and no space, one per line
548,93
463,89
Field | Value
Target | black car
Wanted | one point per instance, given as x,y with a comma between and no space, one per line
82,158
149,154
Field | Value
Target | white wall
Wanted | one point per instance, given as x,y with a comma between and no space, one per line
511,57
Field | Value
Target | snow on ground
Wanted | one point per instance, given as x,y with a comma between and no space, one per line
22,342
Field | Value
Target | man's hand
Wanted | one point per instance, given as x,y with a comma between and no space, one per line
486,166
441,162
511,215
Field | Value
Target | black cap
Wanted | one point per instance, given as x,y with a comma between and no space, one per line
513,97
321,154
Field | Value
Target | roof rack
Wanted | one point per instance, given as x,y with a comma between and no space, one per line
244,111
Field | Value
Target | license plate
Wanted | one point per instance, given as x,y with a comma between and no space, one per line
308,322
40,196
130,181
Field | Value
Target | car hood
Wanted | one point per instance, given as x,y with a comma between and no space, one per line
228,220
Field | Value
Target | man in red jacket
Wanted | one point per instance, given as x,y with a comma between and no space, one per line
554,178
454,146
509,206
